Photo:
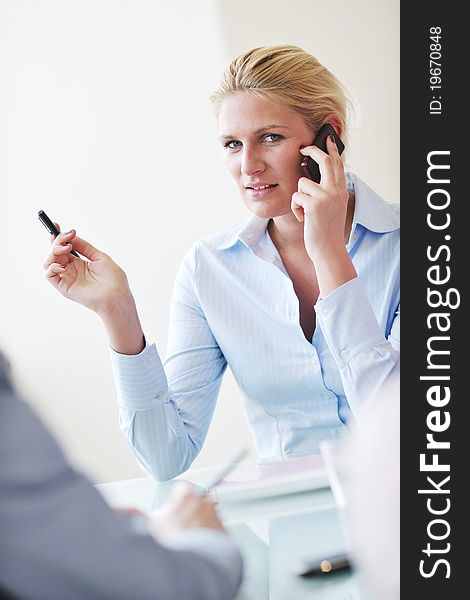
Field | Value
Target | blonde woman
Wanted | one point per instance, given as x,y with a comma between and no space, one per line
302,301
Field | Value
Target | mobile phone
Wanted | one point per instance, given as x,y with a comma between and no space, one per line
311,166
51,228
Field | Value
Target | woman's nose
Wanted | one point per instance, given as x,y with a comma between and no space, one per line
252,162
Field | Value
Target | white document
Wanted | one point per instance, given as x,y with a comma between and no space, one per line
251,480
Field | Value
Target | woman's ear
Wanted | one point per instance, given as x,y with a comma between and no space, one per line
336,122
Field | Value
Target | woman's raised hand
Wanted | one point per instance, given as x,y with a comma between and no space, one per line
323,207
97,283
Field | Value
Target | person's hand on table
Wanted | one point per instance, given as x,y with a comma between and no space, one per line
130,511
185,509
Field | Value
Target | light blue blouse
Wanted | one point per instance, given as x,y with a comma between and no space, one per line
234,304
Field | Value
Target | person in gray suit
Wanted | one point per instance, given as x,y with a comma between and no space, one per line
60,540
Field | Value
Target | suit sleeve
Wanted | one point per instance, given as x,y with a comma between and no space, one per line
59,539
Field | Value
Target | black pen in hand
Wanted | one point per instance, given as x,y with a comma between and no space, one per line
52,229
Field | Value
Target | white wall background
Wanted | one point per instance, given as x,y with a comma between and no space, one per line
105,124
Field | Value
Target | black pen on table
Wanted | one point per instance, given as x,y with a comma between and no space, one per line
323,566
52,229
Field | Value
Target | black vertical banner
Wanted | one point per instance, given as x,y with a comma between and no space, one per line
435,361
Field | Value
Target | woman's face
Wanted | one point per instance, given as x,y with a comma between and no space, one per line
261,141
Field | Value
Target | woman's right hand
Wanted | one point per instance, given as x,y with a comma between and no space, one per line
97,283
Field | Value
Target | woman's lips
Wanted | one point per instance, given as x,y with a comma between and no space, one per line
261,191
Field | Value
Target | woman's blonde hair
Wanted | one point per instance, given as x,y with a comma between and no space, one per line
290,76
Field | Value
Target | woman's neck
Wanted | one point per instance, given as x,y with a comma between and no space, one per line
286,232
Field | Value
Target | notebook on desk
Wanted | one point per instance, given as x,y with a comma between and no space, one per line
252,480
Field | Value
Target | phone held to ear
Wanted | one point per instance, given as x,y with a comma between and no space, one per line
310,165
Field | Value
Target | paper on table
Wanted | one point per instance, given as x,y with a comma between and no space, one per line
252,480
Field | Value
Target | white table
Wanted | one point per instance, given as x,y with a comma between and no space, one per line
250,523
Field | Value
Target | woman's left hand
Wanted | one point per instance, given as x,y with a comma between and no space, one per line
323,206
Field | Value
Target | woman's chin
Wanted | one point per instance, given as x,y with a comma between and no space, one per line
266,210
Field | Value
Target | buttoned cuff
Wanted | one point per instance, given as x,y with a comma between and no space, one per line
140,379
348,322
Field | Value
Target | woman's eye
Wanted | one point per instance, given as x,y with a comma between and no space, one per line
272,137
232,144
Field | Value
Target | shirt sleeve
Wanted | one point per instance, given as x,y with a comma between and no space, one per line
165,409
365,357
61,540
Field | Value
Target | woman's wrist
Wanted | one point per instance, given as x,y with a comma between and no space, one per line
333,270
122,325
